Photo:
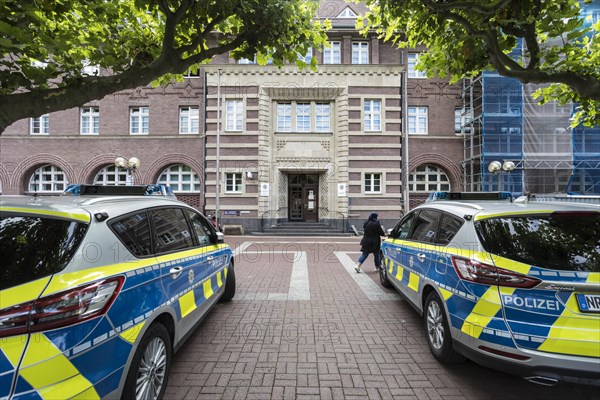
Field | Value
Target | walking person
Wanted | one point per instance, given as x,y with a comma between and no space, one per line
371,242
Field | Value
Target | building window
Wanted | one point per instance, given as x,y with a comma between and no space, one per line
189,120
332,53
306,57
181,178
284,117
90,69
233,182
323,112
303,117
48,179
360,53
139,121
111,175
428,178
90,120
417,120
234,115
372,115
40,125
347,13
372,183
457,120
413,59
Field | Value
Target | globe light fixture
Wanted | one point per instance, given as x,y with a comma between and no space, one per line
130,165
495,167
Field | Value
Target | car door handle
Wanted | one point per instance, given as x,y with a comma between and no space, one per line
422,257
175,272
210,258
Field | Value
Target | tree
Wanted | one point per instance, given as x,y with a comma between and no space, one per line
465,37
46,43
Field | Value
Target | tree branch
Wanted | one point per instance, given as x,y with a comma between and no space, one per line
470,6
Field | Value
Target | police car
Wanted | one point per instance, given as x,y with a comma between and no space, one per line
97,292
513,285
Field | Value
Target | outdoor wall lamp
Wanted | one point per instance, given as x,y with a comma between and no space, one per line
130,165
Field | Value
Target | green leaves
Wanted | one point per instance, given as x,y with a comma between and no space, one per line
466,37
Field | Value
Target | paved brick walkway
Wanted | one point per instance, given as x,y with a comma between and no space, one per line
304,325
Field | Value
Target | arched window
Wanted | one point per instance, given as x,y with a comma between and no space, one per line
181,178
428,178
48,179
111,175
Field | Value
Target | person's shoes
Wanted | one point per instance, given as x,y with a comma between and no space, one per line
357,270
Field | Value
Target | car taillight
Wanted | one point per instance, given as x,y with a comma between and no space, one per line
477,272
60,309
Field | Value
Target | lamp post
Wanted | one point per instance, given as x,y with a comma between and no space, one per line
130,165
496,168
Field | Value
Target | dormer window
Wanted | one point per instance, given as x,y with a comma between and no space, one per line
347,13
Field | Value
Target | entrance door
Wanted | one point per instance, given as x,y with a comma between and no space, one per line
303,195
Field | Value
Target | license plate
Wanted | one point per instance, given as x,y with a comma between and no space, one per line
589,302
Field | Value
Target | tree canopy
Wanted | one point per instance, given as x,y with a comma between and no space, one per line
47,43
464,37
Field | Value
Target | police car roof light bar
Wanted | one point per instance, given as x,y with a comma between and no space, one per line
465,196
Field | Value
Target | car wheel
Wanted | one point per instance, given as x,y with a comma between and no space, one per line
229,284
147,376
383,277
437,331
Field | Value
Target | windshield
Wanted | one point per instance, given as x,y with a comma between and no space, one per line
560,241
34,247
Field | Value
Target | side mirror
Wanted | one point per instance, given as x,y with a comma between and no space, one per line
389,232
220,237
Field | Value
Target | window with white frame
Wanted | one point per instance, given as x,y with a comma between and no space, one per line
417,120
233,182
428,178
306,57
360,52
234,115
48,179
181,178
90,69
189,120
372,115
284,117
332,53
303,117
323,117
413,58
457,120
111,175
372,183
40,125
139,120
347,13
90,120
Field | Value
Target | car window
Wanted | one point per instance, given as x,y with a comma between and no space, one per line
560,241
426,226
134,232
201,228
171,230
35,247
402,230
449,225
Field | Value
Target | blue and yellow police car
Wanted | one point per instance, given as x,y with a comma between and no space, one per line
513,285
98,291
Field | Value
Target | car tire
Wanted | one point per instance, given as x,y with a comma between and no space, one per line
437,331
383,277
229,285
149,370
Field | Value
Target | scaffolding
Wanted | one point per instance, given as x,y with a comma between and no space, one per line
501,121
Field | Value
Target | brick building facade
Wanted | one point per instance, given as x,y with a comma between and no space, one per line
293,145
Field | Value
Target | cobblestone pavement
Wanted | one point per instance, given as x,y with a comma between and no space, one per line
304,325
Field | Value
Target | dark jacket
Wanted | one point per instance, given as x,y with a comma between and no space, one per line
371,241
